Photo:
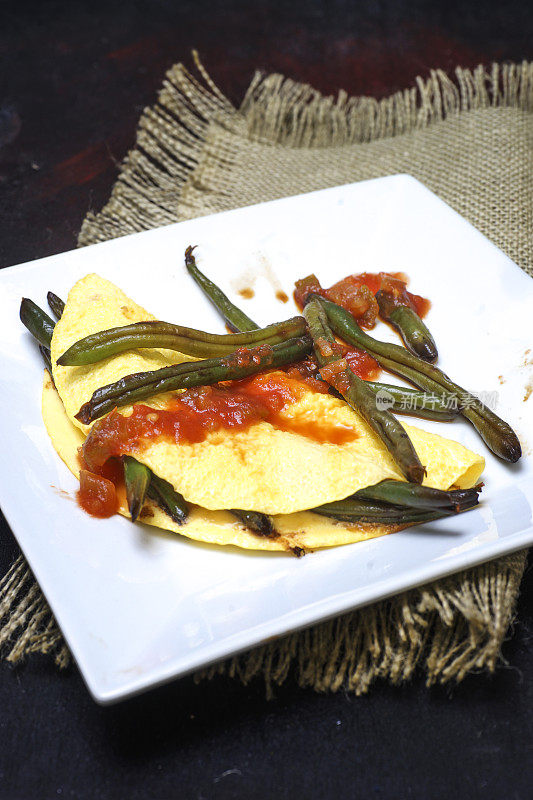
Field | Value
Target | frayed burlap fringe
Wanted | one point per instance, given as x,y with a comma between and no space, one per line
26,622
452,627
172,134
296,115
189,147
170,140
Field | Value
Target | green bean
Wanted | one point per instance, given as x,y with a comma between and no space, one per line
143,385
212,370
235,318
404,400
398,503
41,327
360,397
103,344
168,499
353,510
414,332
257,522
495,432
56,304
411,495
45,353
137,478
37,322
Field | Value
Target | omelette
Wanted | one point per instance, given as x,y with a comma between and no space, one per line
277,469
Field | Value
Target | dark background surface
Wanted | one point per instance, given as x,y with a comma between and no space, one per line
74,80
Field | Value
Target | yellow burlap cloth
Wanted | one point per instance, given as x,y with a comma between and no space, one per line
470,140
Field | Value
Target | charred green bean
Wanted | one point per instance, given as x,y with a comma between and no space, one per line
137,478
495,432
57,306
143,385
235,318
97,346
168,499
37,322
412,329
360,397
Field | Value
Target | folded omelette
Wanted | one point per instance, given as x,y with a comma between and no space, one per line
264,468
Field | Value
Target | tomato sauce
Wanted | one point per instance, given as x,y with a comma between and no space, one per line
97,495
362,364
396,285
356,293
196,413
307,372
102,488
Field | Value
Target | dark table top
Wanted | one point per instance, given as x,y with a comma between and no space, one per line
75,78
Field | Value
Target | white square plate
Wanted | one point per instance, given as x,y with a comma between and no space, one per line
139,607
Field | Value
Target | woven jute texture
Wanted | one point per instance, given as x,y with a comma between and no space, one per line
469,138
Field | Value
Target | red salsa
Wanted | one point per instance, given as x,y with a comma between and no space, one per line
97,495
396,286
194,414
102,488
362,364
356,293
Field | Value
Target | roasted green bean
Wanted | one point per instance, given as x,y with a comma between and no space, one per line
255,521
404,400
360,397
412,329
235,318
495,432
411,495
45,353
143,385
168,499
137,478
37,322
352,510
41,328
56,304
398,503
103,344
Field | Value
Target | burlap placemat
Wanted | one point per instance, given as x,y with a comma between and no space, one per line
470,140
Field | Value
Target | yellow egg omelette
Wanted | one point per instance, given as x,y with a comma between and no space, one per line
273,470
